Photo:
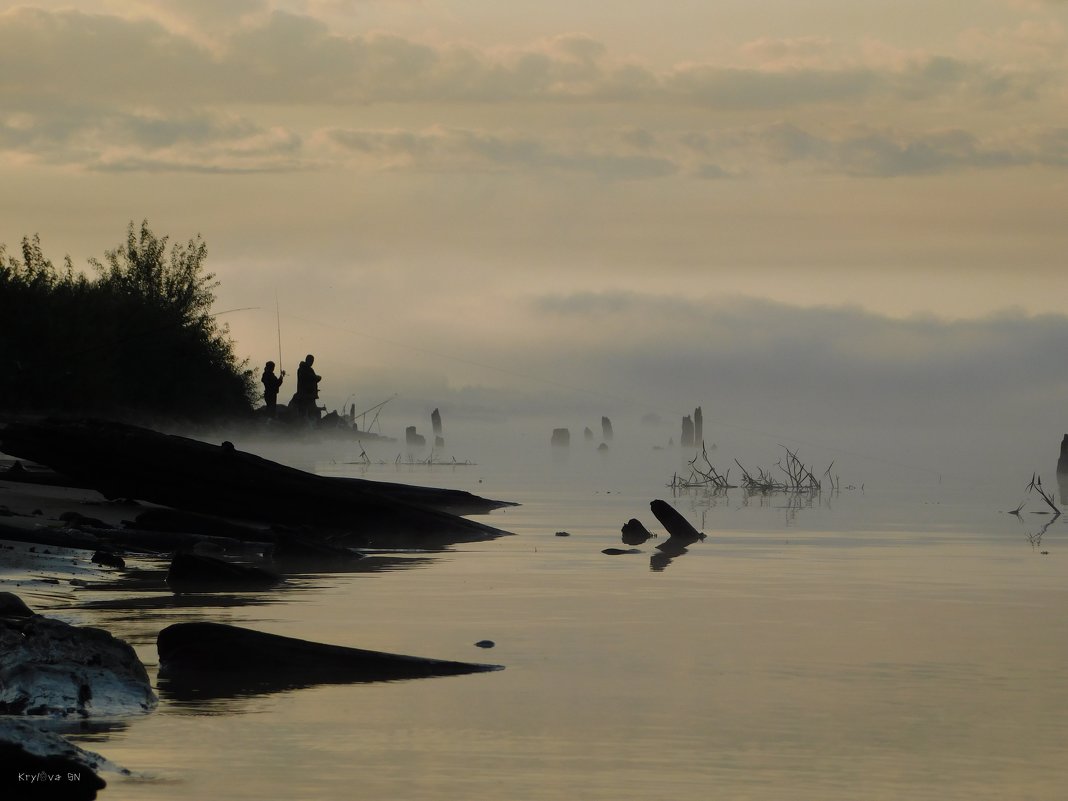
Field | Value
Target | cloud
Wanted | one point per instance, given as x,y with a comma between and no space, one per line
815,359
290,58
885,152
465,149
122,142
166,102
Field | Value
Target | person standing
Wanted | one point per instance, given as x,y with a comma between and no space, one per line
307,388
271,384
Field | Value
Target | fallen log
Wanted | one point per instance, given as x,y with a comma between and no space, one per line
677,526
124,461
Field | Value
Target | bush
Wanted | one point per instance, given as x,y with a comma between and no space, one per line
138,338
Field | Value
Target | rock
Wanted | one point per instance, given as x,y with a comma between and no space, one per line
587,434
1062,461
563,533
561,437
48,667
13,606
199,652
698,427
41,764
108,559
192,572
435,422
485,644
634,533
619,551
296,550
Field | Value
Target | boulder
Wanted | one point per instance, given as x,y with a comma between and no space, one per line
41,764
48,667
193,572
634,533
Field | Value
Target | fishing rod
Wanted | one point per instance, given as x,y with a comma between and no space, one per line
377,408
278,321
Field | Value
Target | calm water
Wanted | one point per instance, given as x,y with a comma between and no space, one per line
895,642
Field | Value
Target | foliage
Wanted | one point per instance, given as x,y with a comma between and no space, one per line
137,338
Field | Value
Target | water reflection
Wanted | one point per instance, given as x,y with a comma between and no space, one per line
669,550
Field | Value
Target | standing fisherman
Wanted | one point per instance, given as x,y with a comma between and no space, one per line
271,384
307,388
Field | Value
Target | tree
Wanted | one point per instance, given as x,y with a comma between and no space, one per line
139,339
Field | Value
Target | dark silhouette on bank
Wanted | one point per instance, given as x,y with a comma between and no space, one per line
137,338
304,400
271,384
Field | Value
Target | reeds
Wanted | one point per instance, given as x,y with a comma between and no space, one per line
790,475
1036,486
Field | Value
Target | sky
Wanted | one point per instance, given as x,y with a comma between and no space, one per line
829,220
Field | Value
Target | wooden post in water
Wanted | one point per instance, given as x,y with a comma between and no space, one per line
435,421
687,432
606,429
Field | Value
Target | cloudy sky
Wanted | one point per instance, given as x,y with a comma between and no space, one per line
826,218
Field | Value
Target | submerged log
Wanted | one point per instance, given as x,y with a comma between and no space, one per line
219,649
123,461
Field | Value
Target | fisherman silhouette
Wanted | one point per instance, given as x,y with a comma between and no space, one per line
271,384
307,389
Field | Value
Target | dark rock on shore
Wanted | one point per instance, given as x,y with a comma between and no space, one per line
193,572
48,667
13,606
211,659
40,764
123,461
295,550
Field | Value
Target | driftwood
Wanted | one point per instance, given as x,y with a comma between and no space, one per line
677,526
123,461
